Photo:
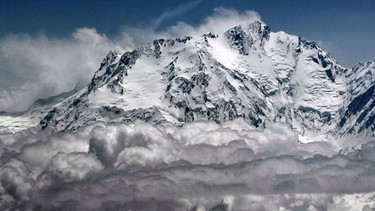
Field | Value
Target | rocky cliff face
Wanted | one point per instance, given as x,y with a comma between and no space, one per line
358,111
246,72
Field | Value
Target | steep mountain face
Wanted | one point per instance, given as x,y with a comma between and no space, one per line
246,72
358,112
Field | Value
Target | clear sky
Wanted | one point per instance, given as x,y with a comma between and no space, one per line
346,28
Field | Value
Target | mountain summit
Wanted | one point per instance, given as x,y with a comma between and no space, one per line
246,72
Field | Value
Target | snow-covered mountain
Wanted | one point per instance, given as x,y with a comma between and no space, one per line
246,72
357,115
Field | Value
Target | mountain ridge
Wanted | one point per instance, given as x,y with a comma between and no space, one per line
246,72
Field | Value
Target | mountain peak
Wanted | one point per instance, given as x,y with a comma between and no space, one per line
258,30
247,72
247,36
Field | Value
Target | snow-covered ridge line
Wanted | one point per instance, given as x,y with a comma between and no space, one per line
247,72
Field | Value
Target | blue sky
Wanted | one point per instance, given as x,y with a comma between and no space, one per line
51,46
346,28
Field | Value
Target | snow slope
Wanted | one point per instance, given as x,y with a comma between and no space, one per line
245,72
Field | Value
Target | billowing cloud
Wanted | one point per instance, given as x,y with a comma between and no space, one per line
200,166
221,20
40,67
74,166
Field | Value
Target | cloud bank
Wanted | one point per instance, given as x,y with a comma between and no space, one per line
40,67
200,166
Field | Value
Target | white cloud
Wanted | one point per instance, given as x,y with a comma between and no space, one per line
15,185
203,165
39,67
221,20
181,9
74,166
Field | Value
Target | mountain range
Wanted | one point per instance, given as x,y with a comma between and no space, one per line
246,72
